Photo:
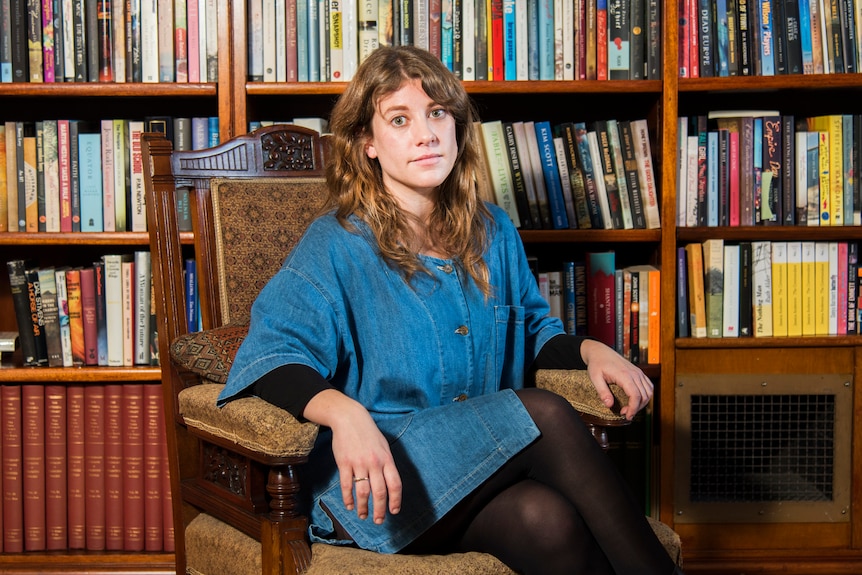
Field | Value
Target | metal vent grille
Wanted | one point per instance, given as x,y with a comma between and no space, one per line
762,448
748,448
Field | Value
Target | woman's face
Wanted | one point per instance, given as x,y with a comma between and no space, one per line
413,139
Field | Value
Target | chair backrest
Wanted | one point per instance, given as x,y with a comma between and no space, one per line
250,199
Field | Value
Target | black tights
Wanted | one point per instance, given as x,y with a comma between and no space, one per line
558,507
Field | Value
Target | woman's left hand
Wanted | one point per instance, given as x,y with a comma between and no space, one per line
606,366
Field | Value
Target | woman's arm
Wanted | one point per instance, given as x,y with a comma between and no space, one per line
359,448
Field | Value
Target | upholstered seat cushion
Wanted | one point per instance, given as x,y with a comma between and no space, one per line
215,548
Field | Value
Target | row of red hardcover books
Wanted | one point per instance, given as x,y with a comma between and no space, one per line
84,467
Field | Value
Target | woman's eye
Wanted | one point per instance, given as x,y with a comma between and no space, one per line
399,121
438,113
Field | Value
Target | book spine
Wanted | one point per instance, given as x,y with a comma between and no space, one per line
63,315
56,528
152,437
94,467
552,175
33,465
13,476
113,433
88,316
600,296
76,466
133,465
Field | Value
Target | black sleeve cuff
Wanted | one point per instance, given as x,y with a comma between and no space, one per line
561,352
290,387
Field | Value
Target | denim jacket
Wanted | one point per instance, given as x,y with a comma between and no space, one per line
401,350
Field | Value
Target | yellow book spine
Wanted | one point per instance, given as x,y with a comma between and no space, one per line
821,288
836,170
697,307
809,290
794,289
31,186
779,289
825,196
4,189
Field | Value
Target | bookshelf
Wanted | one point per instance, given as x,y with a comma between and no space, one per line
90,102
710,547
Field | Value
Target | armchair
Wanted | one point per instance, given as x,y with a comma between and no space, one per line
235,471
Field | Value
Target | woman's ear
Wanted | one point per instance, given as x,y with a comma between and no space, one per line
370,151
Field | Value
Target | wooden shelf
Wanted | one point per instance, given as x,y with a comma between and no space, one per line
107,90
87,563
800,82
82,238
590,236
767,342
774,233
85,374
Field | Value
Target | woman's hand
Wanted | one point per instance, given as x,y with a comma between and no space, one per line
606,366
365,463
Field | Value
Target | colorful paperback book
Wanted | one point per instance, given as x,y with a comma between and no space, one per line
90,183
547,153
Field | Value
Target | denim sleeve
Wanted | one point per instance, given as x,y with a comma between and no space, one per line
292,322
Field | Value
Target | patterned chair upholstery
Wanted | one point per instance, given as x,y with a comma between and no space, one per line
235,470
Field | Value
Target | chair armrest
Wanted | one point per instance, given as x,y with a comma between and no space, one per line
250,422
576,387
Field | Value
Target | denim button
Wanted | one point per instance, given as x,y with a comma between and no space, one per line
462,330
446,268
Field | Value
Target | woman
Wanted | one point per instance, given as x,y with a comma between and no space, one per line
403,323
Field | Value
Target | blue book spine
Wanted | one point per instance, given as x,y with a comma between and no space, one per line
212,131
547,49
721,38
767,46
533,40
757,156
509,40
569,302
302,41
446,39
313,44
805,37
191,295
90,181
200,133
551,171
712,179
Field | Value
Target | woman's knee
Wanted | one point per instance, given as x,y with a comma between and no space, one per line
546,408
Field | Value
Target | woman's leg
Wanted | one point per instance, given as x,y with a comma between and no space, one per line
568,461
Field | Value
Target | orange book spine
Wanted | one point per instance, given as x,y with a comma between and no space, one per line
114,535
654,317
94,466
33,452
13,506
56,517
76,318
153,522
133,466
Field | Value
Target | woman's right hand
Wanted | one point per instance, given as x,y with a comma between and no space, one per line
365,464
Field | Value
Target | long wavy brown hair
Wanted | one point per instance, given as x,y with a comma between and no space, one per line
459,222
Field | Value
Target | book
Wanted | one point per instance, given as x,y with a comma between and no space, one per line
601,320
683,328
608,174
51,315
37,314
713,288
129,287
90,182
809,289
730,291
113,467
56,521
114,307
101,313
696,295
133,465
648,186
142,269
761,285
779,289
745,293
75,465
13,478
577,182
33,465
529,174
63,315
21,302
88,316
794,289
94,467
152,438
76,315
136,169
545,140
496,156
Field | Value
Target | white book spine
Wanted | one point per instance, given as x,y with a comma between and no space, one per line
114,308
761,286
63,310
280,41
142,307
601,191
649,188
833,288
468,39
730,308
136,167
682,170
149,41
522,58
109,214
